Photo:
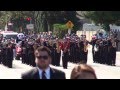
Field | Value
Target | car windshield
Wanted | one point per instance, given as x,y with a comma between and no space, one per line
11,36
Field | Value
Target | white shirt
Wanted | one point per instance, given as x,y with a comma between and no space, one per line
47,73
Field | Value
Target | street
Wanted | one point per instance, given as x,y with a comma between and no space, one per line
102,71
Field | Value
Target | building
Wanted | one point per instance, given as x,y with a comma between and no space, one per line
90,27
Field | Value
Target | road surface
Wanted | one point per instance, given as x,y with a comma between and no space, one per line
102,71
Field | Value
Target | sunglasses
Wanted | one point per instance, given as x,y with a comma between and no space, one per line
42,57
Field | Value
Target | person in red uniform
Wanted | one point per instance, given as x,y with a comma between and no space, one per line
65,57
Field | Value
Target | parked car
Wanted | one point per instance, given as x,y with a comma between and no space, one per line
8,35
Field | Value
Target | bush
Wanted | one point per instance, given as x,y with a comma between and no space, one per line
60,30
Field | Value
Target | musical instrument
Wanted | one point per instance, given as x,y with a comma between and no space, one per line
114,43
85,46
66,44
58,47
96,48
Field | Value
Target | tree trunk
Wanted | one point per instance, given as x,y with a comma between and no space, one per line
50,25
106,27
45,25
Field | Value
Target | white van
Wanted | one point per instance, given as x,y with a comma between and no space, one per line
8,35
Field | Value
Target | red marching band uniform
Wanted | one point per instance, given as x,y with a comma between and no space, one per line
65,48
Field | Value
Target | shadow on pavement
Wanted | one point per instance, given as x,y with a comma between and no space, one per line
16,67
117,66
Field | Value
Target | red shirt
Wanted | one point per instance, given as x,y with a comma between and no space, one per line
61,45
66,45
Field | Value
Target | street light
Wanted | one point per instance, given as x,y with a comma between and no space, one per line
29,19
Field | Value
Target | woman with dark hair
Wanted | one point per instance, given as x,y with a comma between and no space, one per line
83,71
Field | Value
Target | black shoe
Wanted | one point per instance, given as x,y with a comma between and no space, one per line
65,67
57,65
113,65
9,66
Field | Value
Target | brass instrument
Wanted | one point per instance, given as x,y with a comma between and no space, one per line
114,43
85,46
96,48
58,47
113,40
78,44
65,50
35,46
51,43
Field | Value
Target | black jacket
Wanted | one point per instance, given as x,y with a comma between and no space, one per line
9,53
34,74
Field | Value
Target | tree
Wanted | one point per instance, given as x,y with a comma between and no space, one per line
4,18
42,20
60,30
52,17
71,16
16,17
104,18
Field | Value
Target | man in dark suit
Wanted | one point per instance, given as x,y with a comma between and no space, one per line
43,70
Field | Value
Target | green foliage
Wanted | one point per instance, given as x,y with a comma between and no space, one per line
53,17
60,26
60,30
104,18
106,27
42,20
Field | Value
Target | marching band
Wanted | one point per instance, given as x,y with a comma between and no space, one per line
104,50
71,48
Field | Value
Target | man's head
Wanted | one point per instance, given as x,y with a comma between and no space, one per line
43,57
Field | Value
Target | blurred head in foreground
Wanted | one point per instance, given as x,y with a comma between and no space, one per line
83,71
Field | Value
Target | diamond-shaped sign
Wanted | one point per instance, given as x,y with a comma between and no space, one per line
69,25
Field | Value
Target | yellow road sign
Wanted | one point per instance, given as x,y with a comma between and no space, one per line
69,25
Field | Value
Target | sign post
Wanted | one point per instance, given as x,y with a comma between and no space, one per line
30,26
69,25
6,28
